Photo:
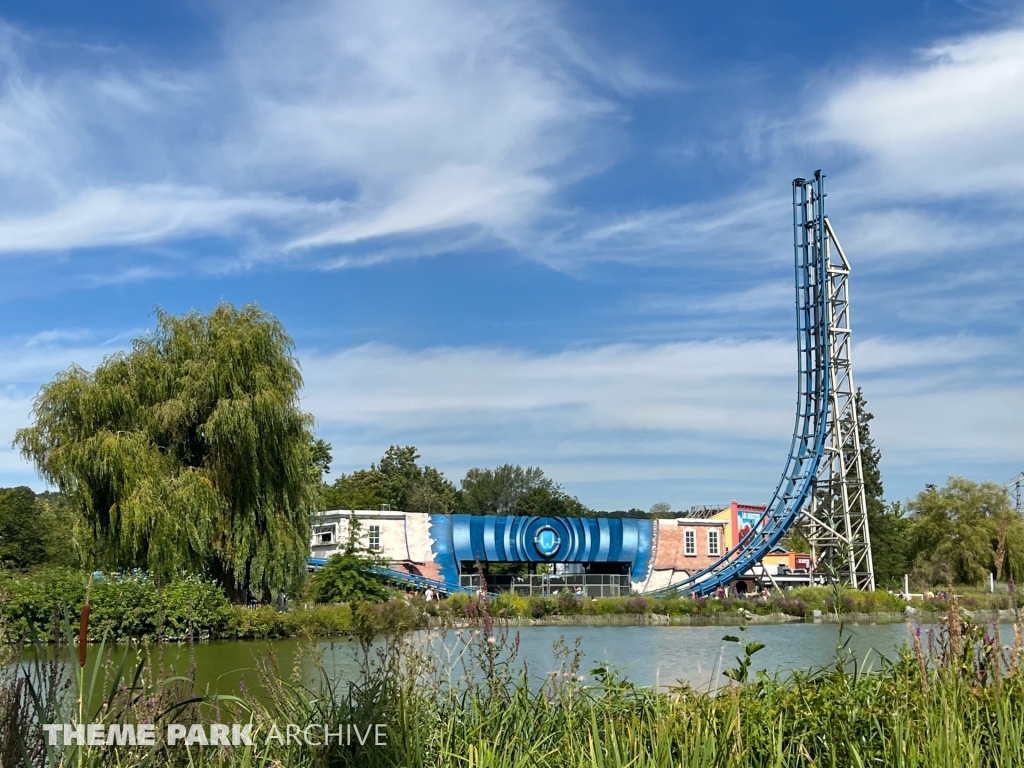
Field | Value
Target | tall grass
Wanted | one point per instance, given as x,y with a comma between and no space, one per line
461,699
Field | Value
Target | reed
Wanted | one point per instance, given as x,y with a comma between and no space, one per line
460,698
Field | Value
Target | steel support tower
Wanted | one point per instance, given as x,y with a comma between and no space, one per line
835,519
821,490
1015,488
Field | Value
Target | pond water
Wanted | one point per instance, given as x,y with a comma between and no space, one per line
648,655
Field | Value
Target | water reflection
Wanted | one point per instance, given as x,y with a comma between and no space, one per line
659,656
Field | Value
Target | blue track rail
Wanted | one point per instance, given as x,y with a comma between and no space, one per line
410,580
813,399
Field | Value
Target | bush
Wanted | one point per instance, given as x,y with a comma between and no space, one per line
348,577
194,603
391,619
568,604
508,606
262,623
125,607
38,597
637,605
321,621
541,607
122,607
791,606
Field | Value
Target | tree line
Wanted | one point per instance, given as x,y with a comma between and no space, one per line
956,534
189,454
399,482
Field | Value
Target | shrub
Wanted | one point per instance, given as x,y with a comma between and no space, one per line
791,606
568,604
38,597
125,607
637,605
260,623
508,606
390,619
348,577
193,603
457,603
541,607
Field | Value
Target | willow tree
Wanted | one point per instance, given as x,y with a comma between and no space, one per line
189,453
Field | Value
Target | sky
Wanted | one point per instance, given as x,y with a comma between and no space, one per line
551,234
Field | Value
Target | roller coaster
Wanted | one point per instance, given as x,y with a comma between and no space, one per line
820,494
1016,490
821,491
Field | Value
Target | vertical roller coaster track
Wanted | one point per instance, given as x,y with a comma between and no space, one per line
1016,490
822,486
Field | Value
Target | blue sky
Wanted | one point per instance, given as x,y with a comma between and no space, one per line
548,234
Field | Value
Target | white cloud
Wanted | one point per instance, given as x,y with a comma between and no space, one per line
936,170
948,125
322,125
877,355
138,215
702,388
983,422
715,413
29,363
712,417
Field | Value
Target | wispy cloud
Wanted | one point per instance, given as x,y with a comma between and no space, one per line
712,417
140,215
26,363
323,126
949,124
651,410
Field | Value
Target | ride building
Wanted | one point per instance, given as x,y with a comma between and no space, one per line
599,556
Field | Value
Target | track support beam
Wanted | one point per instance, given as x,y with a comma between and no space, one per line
835,521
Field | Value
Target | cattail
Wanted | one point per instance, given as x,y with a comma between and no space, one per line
919,653
956,636
1017,654
996,656
83,625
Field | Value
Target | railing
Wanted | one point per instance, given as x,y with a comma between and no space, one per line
542,585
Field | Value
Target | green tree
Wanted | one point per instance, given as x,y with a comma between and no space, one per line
362,489
397,481
544,502
190,452
348,575
497,491
432,493
887,525
955,532
37,528
22,535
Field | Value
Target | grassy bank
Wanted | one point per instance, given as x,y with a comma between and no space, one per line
953,702
801,602
132,607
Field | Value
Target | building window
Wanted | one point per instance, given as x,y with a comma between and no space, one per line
374,537
324,536
690,543
713,539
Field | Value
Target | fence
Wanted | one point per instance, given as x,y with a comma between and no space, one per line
592,585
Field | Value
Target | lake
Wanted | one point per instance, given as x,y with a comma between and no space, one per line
645,655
